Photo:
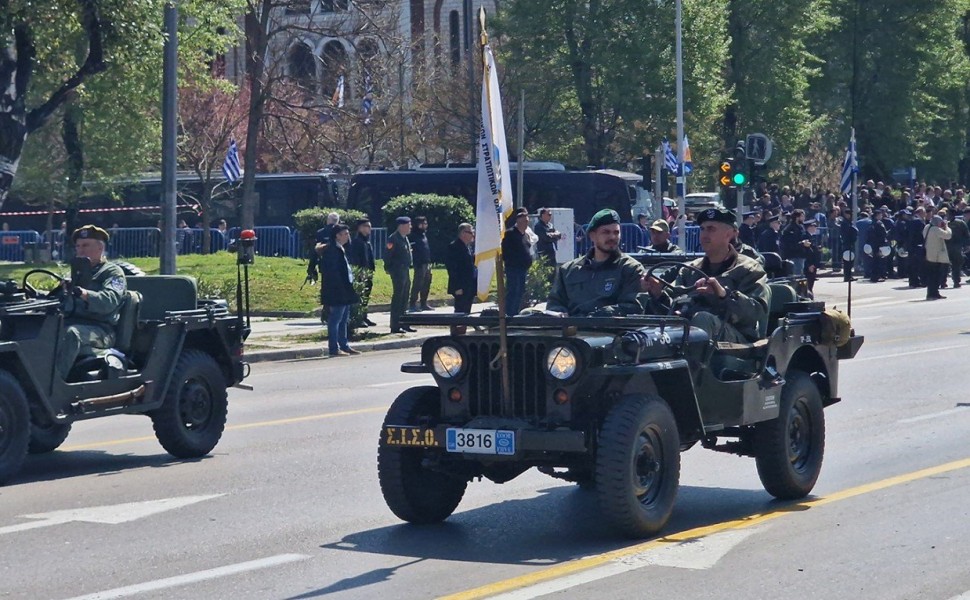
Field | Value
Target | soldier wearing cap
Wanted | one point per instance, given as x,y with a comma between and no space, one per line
732,300
360,254
517,257
91,312
746,232
397,264
769,238
604,281
660,239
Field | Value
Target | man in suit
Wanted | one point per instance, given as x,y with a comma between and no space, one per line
517,255
361,255
462,274
397,264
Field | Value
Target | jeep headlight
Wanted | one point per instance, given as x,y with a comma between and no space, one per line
561,362
447,362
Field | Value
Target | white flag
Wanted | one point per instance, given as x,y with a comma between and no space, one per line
494,200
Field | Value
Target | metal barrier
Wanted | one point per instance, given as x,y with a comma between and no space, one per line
127,242
378,239
271,240
12,244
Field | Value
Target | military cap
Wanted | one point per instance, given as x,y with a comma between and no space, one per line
773,219
721,215
89,232
402,220
811,223
660,225
365,220
607,216
751,213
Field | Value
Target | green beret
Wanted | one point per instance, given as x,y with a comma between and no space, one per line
721,215
607,216
89,232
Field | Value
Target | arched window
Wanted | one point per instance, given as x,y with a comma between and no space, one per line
302,67
367,67
454,37
334,65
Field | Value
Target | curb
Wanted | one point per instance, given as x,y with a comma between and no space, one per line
317,352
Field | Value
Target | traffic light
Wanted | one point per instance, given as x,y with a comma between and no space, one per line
725,174
740,174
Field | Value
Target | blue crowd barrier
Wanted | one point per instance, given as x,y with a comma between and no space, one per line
12,244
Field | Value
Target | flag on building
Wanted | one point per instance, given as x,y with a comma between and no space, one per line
230,167
494,199
367,102
338,94
688,164
850,166
670,159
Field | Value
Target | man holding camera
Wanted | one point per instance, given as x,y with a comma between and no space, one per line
91,308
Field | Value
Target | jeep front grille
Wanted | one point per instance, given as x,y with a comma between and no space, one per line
527,380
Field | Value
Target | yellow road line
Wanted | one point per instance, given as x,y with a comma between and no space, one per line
149,438
590,562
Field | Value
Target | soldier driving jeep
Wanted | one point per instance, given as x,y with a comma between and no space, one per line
730,295
91,304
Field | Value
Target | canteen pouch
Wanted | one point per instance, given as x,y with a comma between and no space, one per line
836,329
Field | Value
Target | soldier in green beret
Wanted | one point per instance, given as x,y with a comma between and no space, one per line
604,281
91,312
732,300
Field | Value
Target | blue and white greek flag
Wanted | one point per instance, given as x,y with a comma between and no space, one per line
230,168
367,102
850,166
670,159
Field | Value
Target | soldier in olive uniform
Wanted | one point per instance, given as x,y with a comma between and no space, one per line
603,282
397,264
90,312
732,300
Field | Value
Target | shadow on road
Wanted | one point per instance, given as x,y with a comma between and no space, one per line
562,524
76,463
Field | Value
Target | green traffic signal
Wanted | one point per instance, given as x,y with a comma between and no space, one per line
739,179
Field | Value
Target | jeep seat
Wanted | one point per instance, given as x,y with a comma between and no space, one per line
127,321
781,295
163,293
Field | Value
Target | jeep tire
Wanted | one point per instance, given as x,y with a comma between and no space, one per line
46,436
638,465
789,449
412,492
193,415
14,426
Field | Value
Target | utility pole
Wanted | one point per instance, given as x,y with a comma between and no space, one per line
681,209
169,133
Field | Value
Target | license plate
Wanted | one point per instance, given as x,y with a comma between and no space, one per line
480,441
409,436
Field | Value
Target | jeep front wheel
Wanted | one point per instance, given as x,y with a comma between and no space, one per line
47,436
789,448
638,465
14,426
193,415
413,492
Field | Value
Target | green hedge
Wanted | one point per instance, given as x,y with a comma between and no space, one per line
444,213
309,220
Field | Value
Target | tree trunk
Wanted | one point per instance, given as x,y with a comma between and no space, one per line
75,171
257,24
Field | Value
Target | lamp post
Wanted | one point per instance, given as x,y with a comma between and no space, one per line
169,132
681,188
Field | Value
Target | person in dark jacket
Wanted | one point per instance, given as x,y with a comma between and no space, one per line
397,264
813,260
768,240
956,245
916,247
517,256
337,291
795,241
746,231
849,234
878,238
361,255
548,237
320,241
462,274
421,252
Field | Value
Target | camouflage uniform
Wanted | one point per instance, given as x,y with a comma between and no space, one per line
583,286
89,324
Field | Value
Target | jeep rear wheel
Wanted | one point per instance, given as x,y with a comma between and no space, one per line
14,426
47,436
193,415
789,449
412,492
638,465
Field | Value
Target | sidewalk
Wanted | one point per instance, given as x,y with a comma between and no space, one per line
268,340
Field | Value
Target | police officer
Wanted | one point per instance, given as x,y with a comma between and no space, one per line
421,261
768,240
604,281
877,237
361,255
90,312
746,232
397,264
916,246
732,300
849,233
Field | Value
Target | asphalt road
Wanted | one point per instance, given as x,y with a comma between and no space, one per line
288,505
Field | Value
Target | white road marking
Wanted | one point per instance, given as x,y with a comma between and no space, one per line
963,596
109,515
854,319
911,352
169,582
402,382
942,413
698,554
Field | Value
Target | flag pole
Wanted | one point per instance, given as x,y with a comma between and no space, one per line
501,361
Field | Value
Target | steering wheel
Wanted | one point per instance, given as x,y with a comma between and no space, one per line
679,294
32,292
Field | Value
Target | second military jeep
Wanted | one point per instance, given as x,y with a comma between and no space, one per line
609,403
175,355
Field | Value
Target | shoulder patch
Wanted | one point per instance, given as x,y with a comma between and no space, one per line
117,284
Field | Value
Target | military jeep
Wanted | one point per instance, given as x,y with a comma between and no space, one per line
609,403
174,358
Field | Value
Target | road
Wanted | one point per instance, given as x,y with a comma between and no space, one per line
288,505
